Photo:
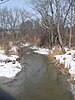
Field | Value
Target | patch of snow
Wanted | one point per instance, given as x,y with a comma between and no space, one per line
72,70
12,57
53,48
3,57
14,49
28,52
1,51
66,48
9,69
25,45
39,50
42,51
15,56
71,52
34,47
10,44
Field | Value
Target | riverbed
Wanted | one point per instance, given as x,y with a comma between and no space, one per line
38,80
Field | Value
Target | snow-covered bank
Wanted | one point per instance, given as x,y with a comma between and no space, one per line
9,66
9,70
43,51
68,60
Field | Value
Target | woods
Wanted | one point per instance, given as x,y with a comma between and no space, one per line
53,22
57,15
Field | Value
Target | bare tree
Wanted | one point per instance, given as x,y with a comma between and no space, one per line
70,29
72,3
58,22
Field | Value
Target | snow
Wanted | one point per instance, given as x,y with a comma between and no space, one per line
39,50
34,47
9,69
13,49
25,45
5,57
1,51
43,51
68,61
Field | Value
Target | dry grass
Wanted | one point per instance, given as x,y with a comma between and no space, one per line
62,66
66,70
74,55
71,80
6,47
57,51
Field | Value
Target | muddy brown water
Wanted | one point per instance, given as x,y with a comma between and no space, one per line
38,80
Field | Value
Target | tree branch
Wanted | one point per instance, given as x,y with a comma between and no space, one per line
4,1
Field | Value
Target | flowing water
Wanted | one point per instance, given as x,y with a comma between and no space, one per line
38,80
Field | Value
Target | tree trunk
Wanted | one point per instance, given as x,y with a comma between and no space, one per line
58,24
70,37
52,22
